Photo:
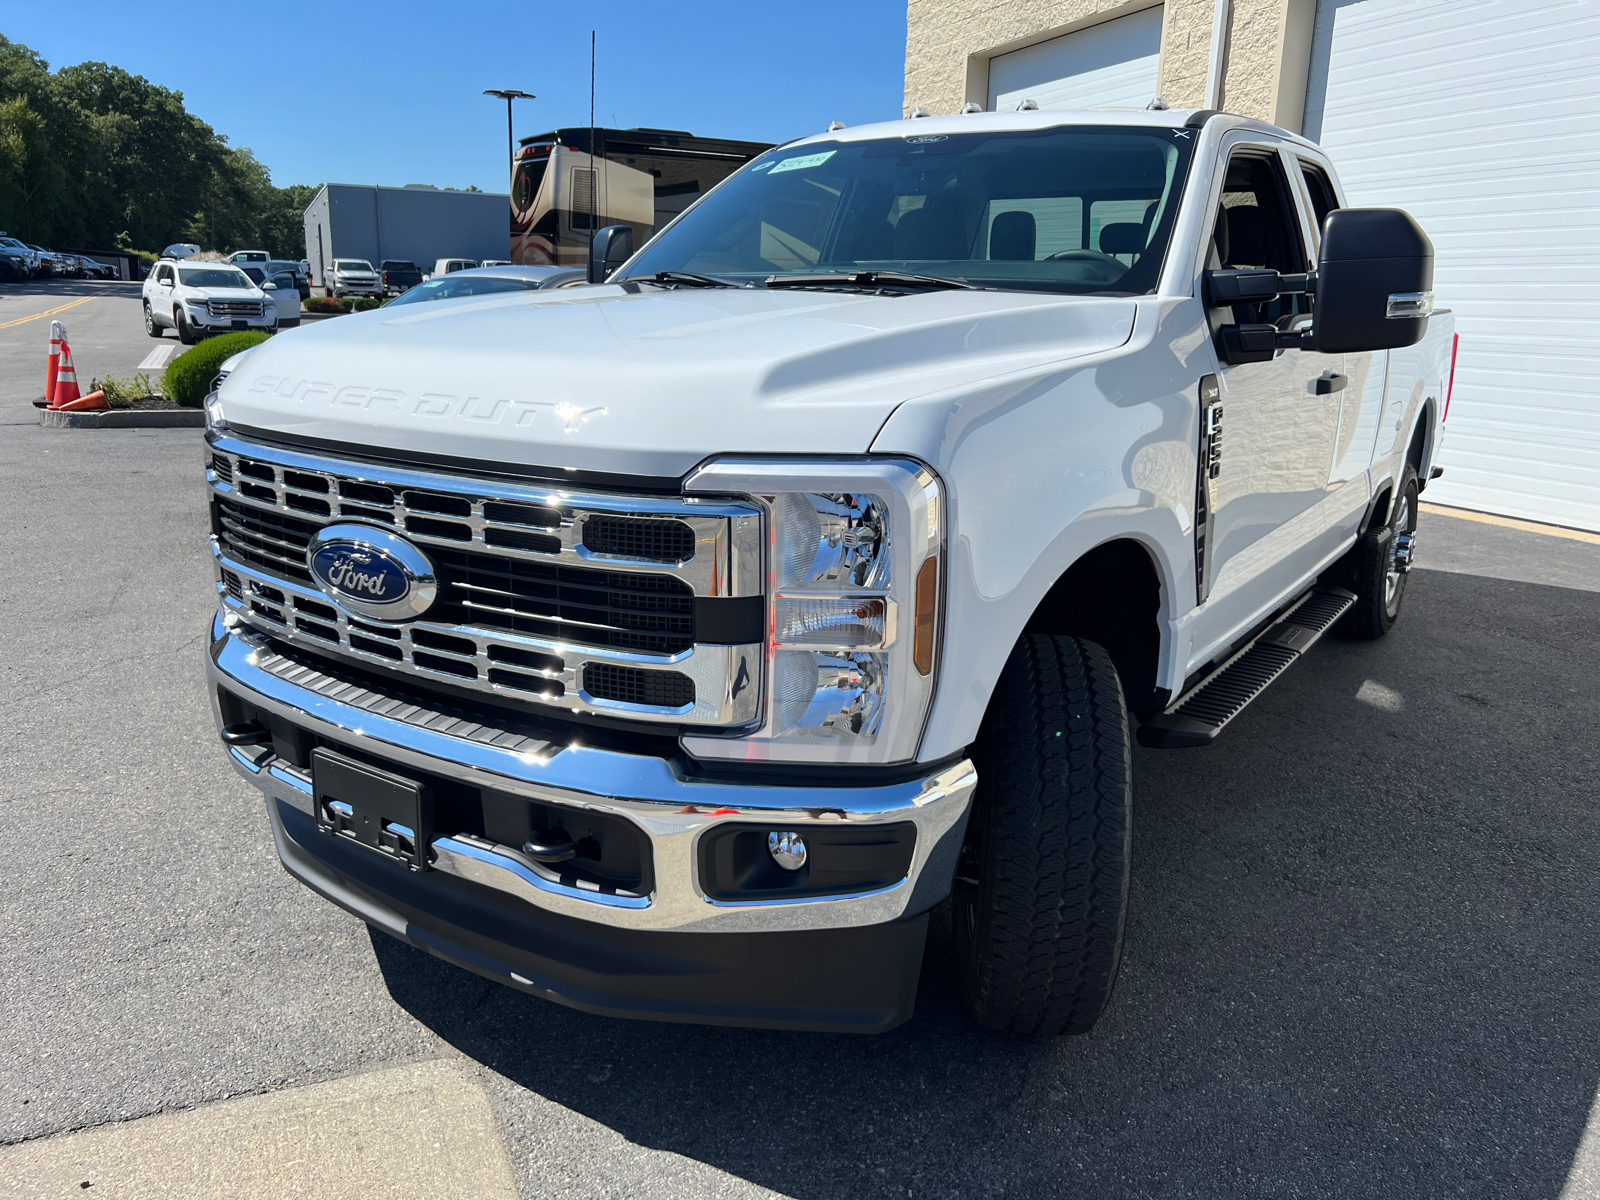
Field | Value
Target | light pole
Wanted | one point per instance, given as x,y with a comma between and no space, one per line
508,95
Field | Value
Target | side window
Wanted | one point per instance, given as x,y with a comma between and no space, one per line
1256,226
1323,200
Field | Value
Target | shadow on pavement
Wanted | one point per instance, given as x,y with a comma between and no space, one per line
1361,962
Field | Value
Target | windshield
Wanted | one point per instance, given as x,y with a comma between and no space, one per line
213,277
1078,209
463,285
352,264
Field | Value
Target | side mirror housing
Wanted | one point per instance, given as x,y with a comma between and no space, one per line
611,247
1374,281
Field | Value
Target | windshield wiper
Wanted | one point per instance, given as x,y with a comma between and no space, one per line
686,279
868,279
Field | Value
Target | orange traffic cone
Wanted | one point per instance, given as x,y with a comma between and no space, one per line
57,332
66,379
92,401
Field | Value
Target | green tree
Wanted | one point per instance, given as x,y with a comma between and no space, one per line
92,155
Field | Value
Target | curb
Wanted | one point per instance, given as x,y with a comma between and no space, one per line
183,418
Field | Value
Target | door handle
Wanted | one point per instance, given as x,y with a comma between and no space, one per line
1330,382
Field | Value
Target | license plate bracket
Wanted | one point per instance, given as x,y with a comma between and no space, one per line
383,811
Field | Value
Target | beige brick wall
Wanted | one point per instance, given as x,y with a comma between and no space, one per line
949,44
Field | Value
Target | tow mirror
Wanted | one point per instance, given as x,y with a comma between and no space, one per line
611,247
1373,287
1374,281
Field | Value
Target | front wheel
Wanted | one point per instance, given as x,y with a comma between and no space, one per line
1382,563
1041,892
185,330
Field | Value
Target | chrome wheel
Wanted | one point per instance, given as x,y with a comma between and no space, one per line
1402,549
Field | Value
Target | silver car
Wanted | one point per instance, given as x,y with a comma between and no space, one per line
483,281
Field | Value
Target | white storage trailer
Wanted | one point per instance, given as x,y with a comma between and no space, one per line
416,223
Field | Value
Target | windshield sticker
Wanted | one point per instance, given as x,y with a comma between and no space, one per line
804,161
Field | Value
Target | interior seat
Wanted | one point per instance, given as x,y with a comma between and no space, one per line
1013,236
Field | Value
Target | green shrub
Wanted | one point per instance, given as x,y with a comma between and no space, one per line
364,303
326,304
190,375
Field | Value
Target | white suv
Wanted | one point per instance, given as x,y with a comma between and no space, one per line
197,298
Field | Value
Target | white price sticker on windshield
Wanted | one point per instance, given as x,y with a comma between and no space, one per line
804,161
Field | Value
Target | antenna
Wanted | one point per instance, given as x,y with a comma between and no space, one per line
594,171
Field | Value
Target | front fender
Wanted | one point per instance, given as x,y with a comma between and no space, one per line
1041,467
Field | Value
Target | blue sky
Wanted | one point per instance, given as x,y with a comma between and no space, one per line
390,93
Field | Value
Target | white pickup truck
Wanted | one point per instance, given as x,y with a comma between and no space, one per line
671,646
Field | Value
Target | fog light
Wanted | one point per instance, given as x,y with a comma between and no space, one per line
788,849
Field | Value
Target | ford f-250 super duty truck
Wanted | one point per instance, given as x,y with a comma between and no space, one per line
669,647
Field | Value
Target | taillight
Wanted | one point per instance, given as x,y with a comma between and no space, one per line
1450,388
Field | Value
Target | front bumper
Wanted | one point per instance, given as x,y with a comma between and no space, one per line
846,962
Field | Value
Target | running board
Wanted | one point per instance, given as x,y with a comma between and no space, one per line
1203,711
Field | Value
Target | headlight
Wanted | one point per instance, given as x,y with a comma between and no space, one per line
853,586
215,422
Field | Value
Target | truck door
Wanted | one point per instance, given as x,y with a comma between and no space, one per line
1271,445
1361,399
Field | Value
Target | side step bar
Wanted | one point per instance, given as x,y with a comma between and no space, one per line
1205,709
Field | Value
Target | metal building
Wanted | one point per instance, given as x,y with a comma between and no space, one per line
417,223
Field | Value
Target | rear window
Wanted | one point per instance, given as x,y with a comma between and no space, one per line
395,264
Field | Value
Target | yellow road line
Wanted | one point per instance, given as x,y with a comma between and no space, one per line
52,312
1467,514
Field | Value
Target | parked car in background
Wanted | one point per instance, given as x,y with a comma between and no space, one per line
181,250
25,256
483,281
399,275
302,280
50,263
97,269
13,263
352,277
284,291
496,262
200,298
251,258
444,266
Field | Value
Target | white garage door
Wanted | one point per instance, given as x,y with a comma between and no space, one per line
1482,118
1111,64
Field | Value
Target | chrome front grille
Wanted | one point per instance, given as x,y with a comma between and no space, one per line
588,602
235,308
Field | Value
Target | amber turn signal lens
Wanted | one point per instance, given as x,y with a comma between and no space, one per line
927,610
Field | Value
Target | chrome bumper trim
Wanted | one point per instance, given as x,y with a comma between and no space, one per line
673,813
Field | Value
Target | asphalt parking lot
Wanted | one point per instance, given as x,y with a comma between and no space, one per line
1363,957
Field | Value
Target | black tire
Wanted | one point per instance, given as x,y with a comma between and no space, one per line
1382,563
150,326
185,330
1041,893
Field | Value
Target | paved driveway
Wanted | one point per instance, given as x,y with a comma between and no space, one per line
1363,959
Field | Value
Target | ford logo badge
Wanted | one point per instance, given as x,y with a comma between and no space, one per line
372,572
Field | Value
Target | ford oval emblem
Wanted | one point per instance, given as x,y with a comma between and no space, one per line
372,572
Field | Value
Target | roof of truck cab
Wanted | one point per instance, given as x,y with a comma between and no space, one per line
1136,118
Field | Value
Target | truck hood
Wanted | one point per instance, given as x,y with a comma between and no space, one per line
648,382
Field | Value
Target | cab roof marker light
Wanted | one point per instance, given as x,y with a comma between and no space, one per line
835,126
1028,106
919,111
972,106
